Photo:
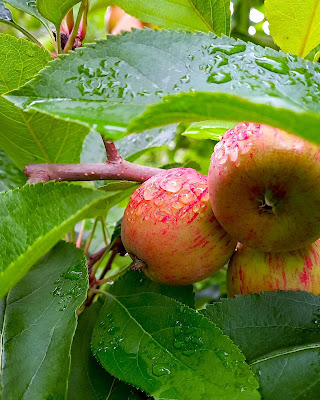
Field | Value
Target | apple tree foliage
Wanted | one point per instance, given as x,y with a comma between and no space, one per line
152,92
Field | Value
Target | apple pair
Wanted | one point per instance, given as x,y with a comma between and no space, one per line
264,191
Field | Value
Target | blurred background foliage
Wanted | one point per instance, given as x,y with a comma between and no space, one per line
249,24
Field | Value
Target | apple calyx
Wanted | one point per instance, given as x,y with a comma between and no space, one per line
268,204
139,264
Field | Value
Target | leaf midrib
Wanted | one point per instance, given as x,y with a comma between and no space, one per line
284,352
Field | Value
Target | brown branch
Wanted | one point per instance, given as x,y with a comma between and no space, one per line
121,170
109,263
95,257
112,152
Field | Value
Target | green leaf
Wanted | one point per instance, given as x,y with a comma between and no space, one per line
133,146
29,6
55,10
213,130
10,176
194,15
279,333
203,106
294,24
134,282
32,137
38,321
108,83
117,196
88,380
130,147
5,14
165,348
33,219
169,350
20,60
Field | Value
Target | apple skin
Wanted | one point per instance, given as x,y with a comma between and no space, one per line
170,226
253,271
264,186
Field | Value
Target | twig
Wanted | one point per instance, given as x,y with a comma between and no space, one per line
111,150
109,263
95,257
121,170
99,261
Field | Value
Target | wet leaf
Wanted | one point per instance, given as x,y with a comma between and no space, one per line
38,320
279,333
167,349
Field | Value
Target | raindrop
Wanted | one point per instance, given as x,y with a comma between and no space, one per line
150,192
273,64
227,49
219,77
160,370
186,196
171,185
185,79
83,69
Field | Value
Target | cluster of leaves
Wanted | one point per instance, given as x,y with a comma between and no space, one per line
143,335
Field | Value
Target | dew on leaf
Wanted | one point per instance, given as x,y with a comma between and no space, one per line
185,79
88,71
219,77
274,64
227,49
160,370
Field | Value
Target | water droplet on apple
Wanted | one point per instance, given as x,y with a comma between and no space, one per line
171,185
150,192
186,196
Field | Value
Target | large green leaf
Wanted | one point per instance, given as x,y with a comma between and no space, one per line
88,380
10,175
29,6
38,321
194,15
20,60
167,349
55,10
33,219
203,106
294,24
32,137
279,334
110,82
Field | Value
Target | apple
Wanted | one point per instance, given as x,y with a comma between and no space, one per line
264,187
253,271
170,231
117,20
